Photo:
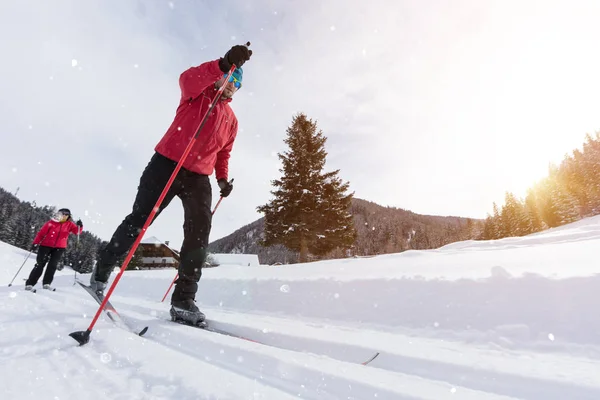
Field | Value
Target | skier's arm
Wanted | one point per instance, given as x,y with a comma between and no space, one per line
222,164
194,80
40,236
75,229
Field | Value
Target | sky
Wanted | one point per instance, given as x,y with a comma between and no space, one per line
433,106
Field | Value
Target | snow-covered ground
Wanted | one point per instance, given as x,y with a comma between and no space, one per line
506,319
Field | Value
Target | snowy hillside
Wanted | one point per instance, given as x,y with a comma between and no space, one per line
510,319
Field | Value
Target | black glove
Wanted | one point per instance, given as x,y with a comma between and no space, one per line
226,187
237,55
79,223
34,247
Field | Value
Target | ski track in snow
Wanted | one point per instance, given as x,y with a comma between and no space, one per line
491,338
297,374
297,365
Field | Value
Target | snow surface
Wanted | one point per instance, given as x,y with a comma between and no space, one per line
507,319
151,240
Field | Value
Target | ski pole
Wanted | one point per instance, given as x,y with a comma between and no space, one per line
26,258
75,276
82,337
177,275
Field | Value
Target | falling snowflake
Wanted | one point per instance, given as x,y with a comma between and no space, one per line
171,5
551,337
74,63
14,169
105,358
332,28
285,288
119,167
135,66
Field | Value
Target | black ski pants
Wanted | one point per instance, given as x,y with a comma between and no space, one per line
195,193
45,255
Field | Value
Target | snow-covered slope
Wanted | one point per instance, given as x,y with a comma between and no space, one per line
513,318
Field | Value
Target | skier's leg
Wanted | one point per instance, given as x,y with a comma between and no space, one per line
55,256
196,197
43,255
152,182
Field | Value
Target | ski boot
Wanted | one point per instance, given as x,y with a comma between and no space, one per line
186,312
48,287
98,288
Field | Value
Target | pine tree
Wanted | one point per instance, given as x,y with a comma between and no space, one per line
488,229
590,169
536,223
516,221
498,231
566,206
310,211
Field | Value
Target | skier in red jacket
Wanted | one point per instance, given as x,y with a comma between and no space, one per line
51,242
192,185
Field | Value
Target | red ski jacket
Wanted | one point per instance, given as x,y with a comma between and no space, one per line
55,234
213,146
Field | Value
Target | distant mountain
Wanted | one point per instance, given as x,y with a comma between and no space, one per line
380,230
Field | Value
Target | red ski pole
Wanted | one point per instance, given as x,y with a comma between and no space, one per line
177,275
82,337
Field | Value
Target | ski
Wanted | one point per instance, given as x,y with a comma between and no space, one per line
112,313
205,326
370,359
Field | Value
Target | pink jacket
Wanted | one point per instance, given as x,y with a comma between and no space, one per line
215,142
55,234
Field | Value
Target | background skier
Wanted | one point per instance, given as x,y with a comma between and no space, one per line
192,185
51,242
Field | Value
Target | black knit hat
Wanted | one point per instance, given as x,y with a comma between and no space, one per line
65,211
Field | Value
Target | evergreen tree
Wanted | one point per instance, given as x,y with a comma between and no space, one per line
498,231
536,223
488,229
515,219
590,169
310,211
